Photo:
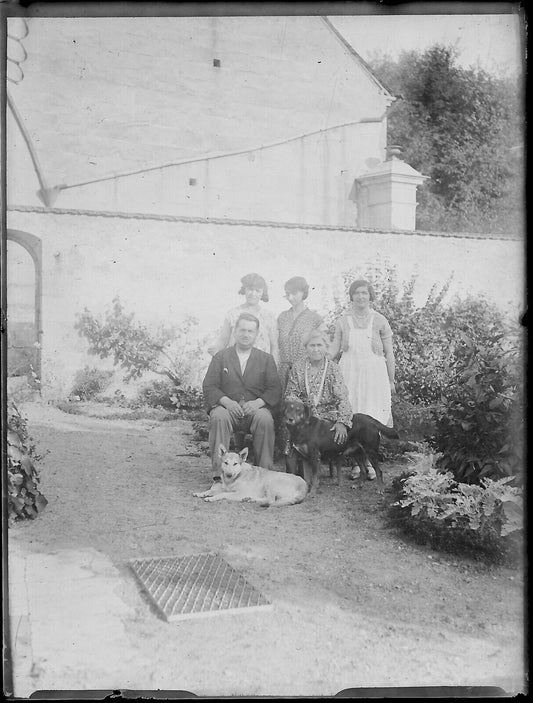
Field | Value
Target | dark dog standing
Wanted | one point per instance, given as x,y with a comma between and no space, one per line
312,439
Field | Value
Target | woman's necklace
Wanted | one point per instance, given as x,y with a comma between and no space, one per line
361,320
315,393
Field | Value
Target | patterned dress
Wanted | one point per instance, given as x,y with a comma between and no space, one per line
325,392
292,331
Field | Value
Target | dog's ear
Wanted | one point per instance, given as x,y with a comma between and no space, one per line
221,450
286,404
244,454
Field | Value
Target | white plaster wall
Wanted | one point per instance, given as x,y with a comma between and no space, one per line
102,96
165,270
306,181
20,279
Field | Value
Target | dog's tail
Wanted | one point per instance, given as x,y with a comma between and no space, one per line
387,431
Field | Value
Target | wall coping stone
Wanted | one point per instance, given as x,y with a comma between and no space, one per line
255,223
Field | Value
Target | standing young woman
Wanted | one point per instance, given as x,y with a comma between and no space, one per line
255,291
364,338
293,325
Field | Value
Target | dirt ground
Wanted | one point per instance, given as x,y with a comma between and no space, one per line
355,603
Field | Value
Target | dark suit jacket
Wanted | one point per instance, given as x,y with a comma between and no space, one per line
224,378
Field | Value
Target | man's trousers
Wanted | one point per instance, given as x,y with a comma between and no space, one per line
260,425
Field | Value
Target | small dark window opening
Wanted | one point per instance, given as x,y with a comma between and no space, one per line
192,181
216,63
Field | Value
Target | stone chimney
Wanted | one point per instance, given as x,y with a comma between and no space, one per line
386,194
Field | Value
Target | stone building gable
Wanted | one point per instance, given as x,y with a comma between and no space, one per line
102,96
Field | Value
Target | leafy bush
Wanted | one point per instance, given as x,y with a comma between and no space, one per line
24,498
413,420
165,394
170,351
464,505
156,394
89,382
120,400
415,423
458,517
479,424
420,344
130,344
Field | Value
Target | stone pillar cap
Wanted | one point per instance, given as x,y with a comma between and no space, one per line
393,168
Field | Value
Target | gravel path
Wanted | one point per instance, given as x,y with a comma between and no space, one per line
355,604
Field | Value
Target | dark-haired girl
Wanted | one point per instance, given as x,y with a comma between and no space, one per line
255,291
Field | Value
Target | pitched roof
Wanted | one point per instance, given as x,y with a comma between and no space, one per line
381,85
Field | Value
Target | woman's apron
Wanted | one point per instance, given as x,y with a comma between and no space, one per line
365,374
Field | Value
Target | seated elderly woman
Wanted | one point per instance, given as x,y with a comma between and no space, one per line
318,382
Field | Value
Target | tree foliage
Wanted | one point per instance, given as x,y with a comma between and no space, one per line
172,351
464,129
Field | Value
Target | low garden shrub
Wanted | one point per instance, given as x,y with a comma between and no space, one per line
170,351
24,498
157,394
89,382
188,401
483,520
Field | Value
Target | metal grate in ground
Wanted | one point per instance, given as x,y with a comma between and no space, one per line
196,585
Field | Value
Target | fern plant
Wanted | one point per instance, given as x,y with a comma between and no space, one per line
490,506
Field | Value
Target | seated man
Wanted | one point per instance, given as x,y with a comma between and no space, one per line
241,388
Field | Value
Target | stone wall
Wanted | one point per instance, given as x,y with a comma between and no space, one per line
166,268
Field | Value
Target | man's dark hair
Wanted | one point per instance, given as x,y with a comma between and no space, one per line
247,316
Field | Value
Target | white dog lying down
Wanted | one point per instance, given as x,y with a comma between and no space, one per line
243,482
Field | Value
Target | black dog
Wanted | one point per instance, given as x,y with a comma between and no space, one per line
312,439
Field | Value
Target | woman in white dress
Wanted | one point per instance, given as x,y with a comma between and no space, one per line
363,337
